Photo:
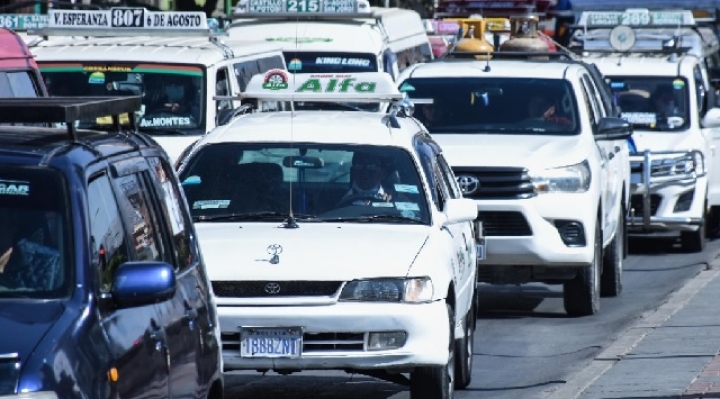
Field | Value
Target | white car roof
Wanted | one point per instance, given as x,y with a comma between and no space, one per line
186,50
335,35
638,64
498,68
331,127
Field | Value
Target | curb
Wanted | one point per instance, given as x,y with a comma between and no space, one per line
612,354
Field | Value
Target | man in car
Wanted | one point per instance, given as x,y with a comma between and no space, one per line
366,174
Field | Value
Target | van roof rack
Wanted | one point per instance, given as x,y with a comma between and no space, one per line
127,21
68,110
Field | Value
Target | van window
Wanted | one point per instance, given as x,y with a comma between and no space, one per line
330,62
139,217
17,84
268,63
244,71
222,88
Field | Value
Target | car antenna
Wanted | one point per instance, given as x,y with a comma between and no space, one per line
290,222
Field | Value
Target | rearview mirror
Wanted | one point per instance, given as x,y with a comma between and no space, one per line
143,283
610,129
458,210
303,162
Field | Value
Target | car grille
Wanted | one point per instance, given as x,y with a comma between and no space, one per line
636,202
499,223
319,342
497,183
264,289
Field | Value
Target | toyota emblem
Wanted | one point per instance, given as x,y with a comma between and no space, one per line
272,288
468,184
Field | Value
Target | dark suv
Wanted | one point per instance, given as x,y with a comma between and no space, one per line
103,290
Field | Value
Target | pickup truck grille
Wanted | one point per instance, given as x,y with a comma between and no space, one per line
495,183
266,289
504,224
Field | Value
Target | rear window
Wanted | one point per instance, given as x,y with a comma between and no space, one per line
35,238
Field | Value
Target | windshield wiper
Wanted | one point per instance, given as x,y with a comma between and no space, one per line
374,218
250,216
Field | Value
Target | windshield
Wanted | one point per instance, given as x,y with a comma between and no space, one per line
494,105
331,62
172,93
232,181
35,243
652,103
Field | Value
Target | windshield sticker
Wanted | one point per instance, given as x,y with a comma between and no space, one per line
191,181
640,118
300,39
406,188
383,204
96,78
407,206
295,65
211,204
342,61
408,214
678,84
275,79
107,68
14,187
407,87
164,122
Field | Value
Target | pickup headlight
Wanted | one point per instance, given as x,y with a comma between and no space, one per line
567,179
412,290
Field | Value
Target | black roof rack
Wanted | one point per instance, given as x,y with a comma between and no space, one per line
659,51
512,54
68,110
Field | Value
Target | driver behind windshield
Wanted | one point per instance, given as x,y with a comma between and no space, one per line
367,174
170,93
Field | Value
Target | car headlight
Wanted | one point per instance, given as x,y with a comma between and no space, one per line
32,395
567,179
412,290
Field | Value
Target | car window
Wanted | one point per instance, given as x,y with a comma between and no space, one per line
139,218
35,234
319,180
495,105
172,205
108,242
426,155
449,176
17,84
653,102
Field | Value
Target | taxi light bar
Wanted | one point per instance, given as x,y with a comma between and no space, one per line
303,9
66,109
279,85
638,18
126,21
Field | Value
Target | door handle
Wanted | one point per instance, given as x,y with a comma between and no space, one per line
617,148
191,314
157,335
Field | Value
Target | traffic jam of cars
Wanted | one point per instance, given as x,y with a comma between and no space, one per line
329,184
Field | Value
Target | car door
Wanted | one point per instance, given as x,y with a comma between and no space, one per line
610,166
134,334
192,321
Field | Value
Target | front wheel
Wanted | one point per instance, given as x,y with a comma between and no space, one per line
611,279
436,382
581,295
694,241
464,348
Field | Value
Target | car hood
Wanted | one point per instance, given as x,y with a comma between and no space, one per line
24,325
314,251
660,141
532,151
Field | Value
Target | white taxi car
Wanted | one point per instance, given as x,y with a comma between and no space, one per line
334,239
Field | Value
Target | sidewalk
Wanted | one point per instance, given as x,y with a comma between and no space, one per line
671,353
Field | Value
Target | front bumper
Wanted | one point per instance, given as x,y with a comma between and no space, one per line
335,337
662,201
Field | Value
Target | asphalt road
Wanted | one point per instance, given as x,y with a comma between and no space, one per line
525,344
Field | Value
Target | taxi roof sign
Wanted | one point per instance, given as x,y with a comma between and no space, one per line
302,9
279,85
637,17
22,22
124,21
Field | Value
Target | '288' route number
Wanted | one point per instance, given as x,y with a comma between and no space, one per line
127,18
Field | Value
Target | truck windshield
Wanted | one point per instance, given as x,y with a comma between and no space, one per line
652,103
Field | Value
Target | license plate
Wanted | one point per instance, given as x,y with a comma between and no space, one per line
635,178
271,342
481,246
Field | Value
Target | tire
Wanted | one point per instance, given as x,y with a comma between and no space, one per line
612,270
464,348
713,222
436,382
694,241
581,295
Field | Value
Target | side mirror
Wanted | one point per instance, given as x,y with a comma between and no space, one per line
711,118
225,115
611,129
458,210
143,283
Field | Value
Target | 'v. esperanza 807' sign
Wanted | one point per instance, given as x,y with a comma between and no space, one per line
126,18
